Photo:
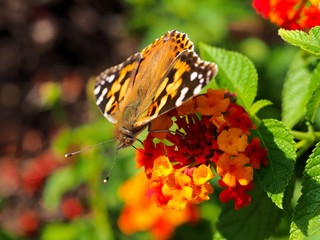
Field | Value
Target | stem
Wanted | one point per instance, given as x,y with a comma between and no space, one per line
300,135
307,139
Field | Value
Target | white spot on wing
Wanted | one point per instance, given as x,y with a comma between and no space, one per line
97,90
181,99
104,92
197,89
193,76
100,99
110,78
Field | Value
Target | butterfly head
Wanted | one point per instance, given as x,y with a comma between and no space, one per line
126,138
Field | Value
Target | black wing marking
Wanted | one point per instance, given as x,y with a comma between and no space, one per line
112,84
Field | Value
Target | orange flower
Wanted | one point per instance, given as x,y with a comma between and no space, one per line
202,174
178,188
162,167
210,132
234,169
218,121
141,213
212,104
187,108
201,192
159,126
232,141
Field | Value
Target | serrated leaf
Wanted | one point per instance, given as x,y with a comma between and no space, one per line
314,101
309,42
281,155
236,73
256,221
258,105
306,217
296,91
313,105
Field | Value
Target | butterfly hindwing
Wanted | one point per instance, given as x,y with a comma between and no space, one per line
113,84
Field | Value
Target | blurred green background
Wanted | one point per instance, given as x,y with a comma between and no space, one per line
50,52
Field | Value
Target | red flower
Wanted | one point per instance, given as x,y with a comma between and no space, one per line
310,17
210,131
262,6
290,14
256,154
28,222
37,170
71,208
238,194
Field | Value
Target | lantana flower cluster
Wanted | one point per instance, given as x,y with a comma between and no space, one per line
290,14
140,213
212,133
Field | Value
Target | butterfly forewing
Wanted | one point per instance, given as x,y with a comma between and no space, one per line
185,78
113,84
157,58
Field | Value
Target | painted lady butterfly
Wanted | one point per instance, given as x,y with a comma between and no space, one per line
163,76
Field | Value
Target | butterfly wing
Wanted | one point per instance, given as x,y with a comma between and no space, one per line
113,84
185,78
157,58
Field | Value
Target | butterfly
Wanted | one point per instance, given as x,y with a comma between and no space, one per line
150,83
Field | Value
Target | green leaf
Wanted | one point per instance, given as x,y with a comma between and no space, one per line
236,73
309,42
314,101
59,231
281,155
258,105
306,217
78,229
58,183
296,91
256,221
313,105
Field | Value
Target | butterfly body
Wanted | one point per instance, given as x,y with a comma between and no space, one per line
148,84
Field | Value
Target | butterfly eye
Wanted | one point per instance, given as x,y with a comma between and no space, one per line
126,141
129,140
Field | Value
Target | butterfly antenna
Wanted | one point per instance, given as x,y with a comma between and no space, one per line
106,179
87,148
149,154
